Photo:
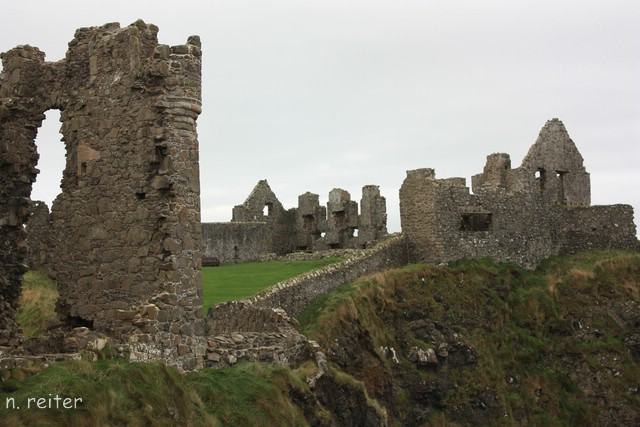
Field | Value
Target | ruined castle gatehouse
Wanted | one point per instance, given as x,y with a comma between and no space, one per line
125,230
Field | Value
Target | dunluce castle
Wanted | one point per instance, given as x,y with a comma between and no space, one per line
125,243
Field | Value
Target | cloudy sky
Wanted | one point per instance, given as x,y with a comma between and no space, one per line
313,95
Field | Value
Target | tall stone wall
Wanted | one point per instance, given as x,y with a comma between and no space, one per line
520,215
311,220
372,226
234,242
24,92
125,231
418,214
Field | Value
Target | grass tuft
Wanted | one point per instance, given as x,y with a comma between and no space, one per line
37,303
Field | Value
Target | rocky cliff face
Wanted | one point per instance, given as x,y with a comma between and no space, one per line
477,343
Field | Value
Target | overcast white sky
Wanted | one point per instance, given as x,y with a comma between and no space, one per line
314,95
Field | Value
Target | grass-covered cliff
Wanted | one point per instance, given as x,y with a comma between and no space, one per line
475,343
471,343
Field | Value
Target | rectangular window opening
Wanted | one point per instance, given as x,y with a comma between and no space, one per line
541,178
476,221
560,185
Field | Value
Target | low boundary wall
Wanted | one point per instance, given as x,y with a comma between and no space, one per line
295,294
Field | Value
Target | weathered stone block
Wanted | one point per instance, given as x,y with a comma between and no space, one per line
214,357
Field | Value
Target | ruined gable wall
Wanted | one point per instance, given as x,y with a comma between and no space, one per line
262,205
562,178
261,199
126,228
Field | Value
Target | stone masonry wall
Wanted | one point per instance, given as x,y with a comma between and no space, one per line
125,231
295,294
38,228
233,242
597,227
262,205
21,113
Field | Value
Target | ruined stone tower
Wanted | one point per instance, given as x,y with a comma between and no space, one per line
125,230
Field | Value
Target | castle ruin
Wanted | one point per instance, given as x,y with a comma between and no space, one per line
123,239
261,225
520,215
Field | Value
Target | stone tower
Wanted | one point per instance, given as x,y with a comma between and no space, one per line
125,230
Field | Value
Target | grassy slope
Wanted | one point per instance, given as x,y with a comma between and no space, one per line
141,394
238,281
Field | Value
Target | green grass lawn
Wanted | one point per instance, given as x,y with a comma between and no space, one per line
238,281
